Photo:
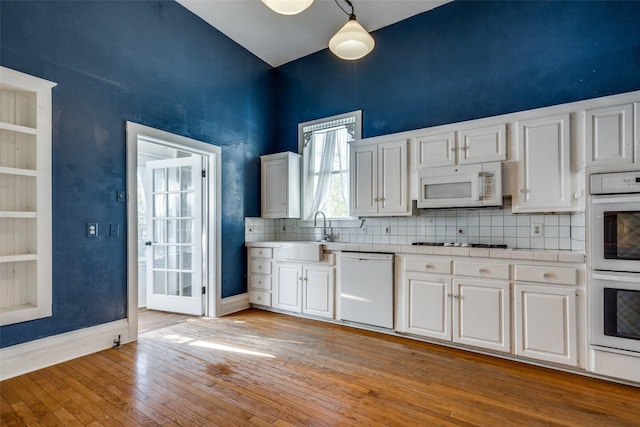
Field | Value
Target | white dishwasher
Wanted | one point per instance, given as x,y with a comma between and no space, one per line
366,295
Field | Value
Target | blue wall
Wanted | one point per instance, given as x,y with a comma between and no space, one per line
150,62
466,60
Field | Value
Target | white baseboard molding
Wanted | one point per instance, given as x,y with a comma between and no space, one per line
234,304
33,355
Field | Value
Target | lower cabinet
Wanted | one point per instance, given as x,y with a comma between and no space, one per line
305,288
545,323
466,311
481,313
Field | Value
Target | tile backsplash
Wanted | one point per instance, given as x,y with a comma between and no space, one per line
561,231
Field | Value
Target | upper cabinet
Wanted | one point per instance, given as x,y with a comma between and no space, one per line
280,192
25,197
463,146
609,135
544,181
378,175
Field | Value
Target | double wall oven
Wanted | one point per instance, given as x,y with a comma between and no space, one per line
615,260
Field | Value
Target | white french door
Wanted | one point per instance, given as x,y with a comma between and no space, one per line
174,226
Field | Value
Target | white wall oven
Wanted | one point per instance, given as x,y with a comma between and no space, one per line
615,260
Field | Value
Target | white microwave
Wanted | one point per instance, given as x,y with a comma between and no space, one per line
478,185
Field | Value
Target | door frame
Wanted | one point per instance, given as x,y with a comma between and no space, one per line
212,155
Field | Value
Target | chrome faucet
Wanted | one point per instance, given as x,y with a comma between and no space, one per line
325,236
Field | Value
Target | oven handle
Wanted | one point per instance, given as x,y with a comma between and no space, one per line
621,277
615,199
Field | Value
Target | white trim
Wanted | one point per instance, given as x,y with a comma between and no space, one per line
234,304
33,355
213,155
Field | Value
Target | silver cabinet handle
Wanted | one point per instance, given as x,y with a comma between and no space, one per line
547,275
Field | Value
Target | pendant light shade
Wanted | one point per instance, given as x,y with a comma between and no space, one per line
352,41
287,7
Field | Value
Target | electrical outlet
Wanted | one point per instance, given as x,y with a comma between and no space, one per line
121,196
537,230
91,230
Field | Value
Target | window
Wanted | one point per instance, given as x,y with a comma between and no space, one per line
324,145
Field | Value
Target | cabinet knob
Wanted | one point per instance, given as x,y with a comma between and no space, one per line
547,275
456,296
382,199
376,199
482,270
259,267
306,279
428,266
449,295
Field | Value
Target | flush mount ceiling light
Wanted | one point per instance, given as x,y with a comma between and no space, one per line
287,7
352,41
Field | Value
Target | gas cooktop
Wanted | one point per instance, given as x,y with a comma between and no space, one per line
460,245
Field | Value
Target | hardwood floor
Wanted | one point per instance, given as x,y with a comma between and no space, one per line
261,368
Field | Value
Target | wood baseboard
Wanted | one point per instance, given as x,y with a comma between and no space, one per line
33,355
234,304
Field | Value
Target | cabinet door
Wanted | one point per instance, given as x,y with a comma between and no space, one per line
289,287
544,165
436,150
610,135
428,305
392,176
486,144
318,291
481,314
274,188
364,180
545,322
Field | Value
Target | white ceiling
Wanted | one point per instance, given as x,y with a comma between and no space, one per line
278,39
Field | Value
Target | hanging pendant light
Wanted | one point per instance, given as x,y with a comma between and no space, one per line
287,7
352,41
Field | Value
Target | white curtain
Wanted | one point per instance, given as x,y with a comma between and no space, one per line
320,156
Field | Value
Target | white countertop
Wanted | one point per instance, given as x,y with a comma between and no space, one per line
521,254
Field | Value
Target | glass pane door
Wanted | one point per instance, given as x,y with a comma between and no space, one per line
174,258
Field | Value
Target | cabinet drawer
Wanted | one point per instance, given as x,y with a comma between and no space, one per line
481,269
428,265
261,282
261,252
261,298
260,266
536,273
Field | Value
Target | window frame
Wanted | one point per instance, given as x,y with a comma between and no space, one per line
357,135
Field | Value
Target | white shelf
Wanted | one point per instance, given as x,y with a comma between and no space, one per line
18,214
18,258
17,128
25,197
18,171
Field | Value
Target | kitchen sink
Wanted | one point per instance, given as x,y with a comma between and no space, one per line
301,251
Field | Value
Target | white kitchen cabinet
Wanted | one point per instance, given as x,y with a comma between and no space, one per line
318,290
306,288
25,197
378,175
545,323
544,181
280,185
260,275
482,313
289,287
428,305
436,150
464,146
609,135
471,311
